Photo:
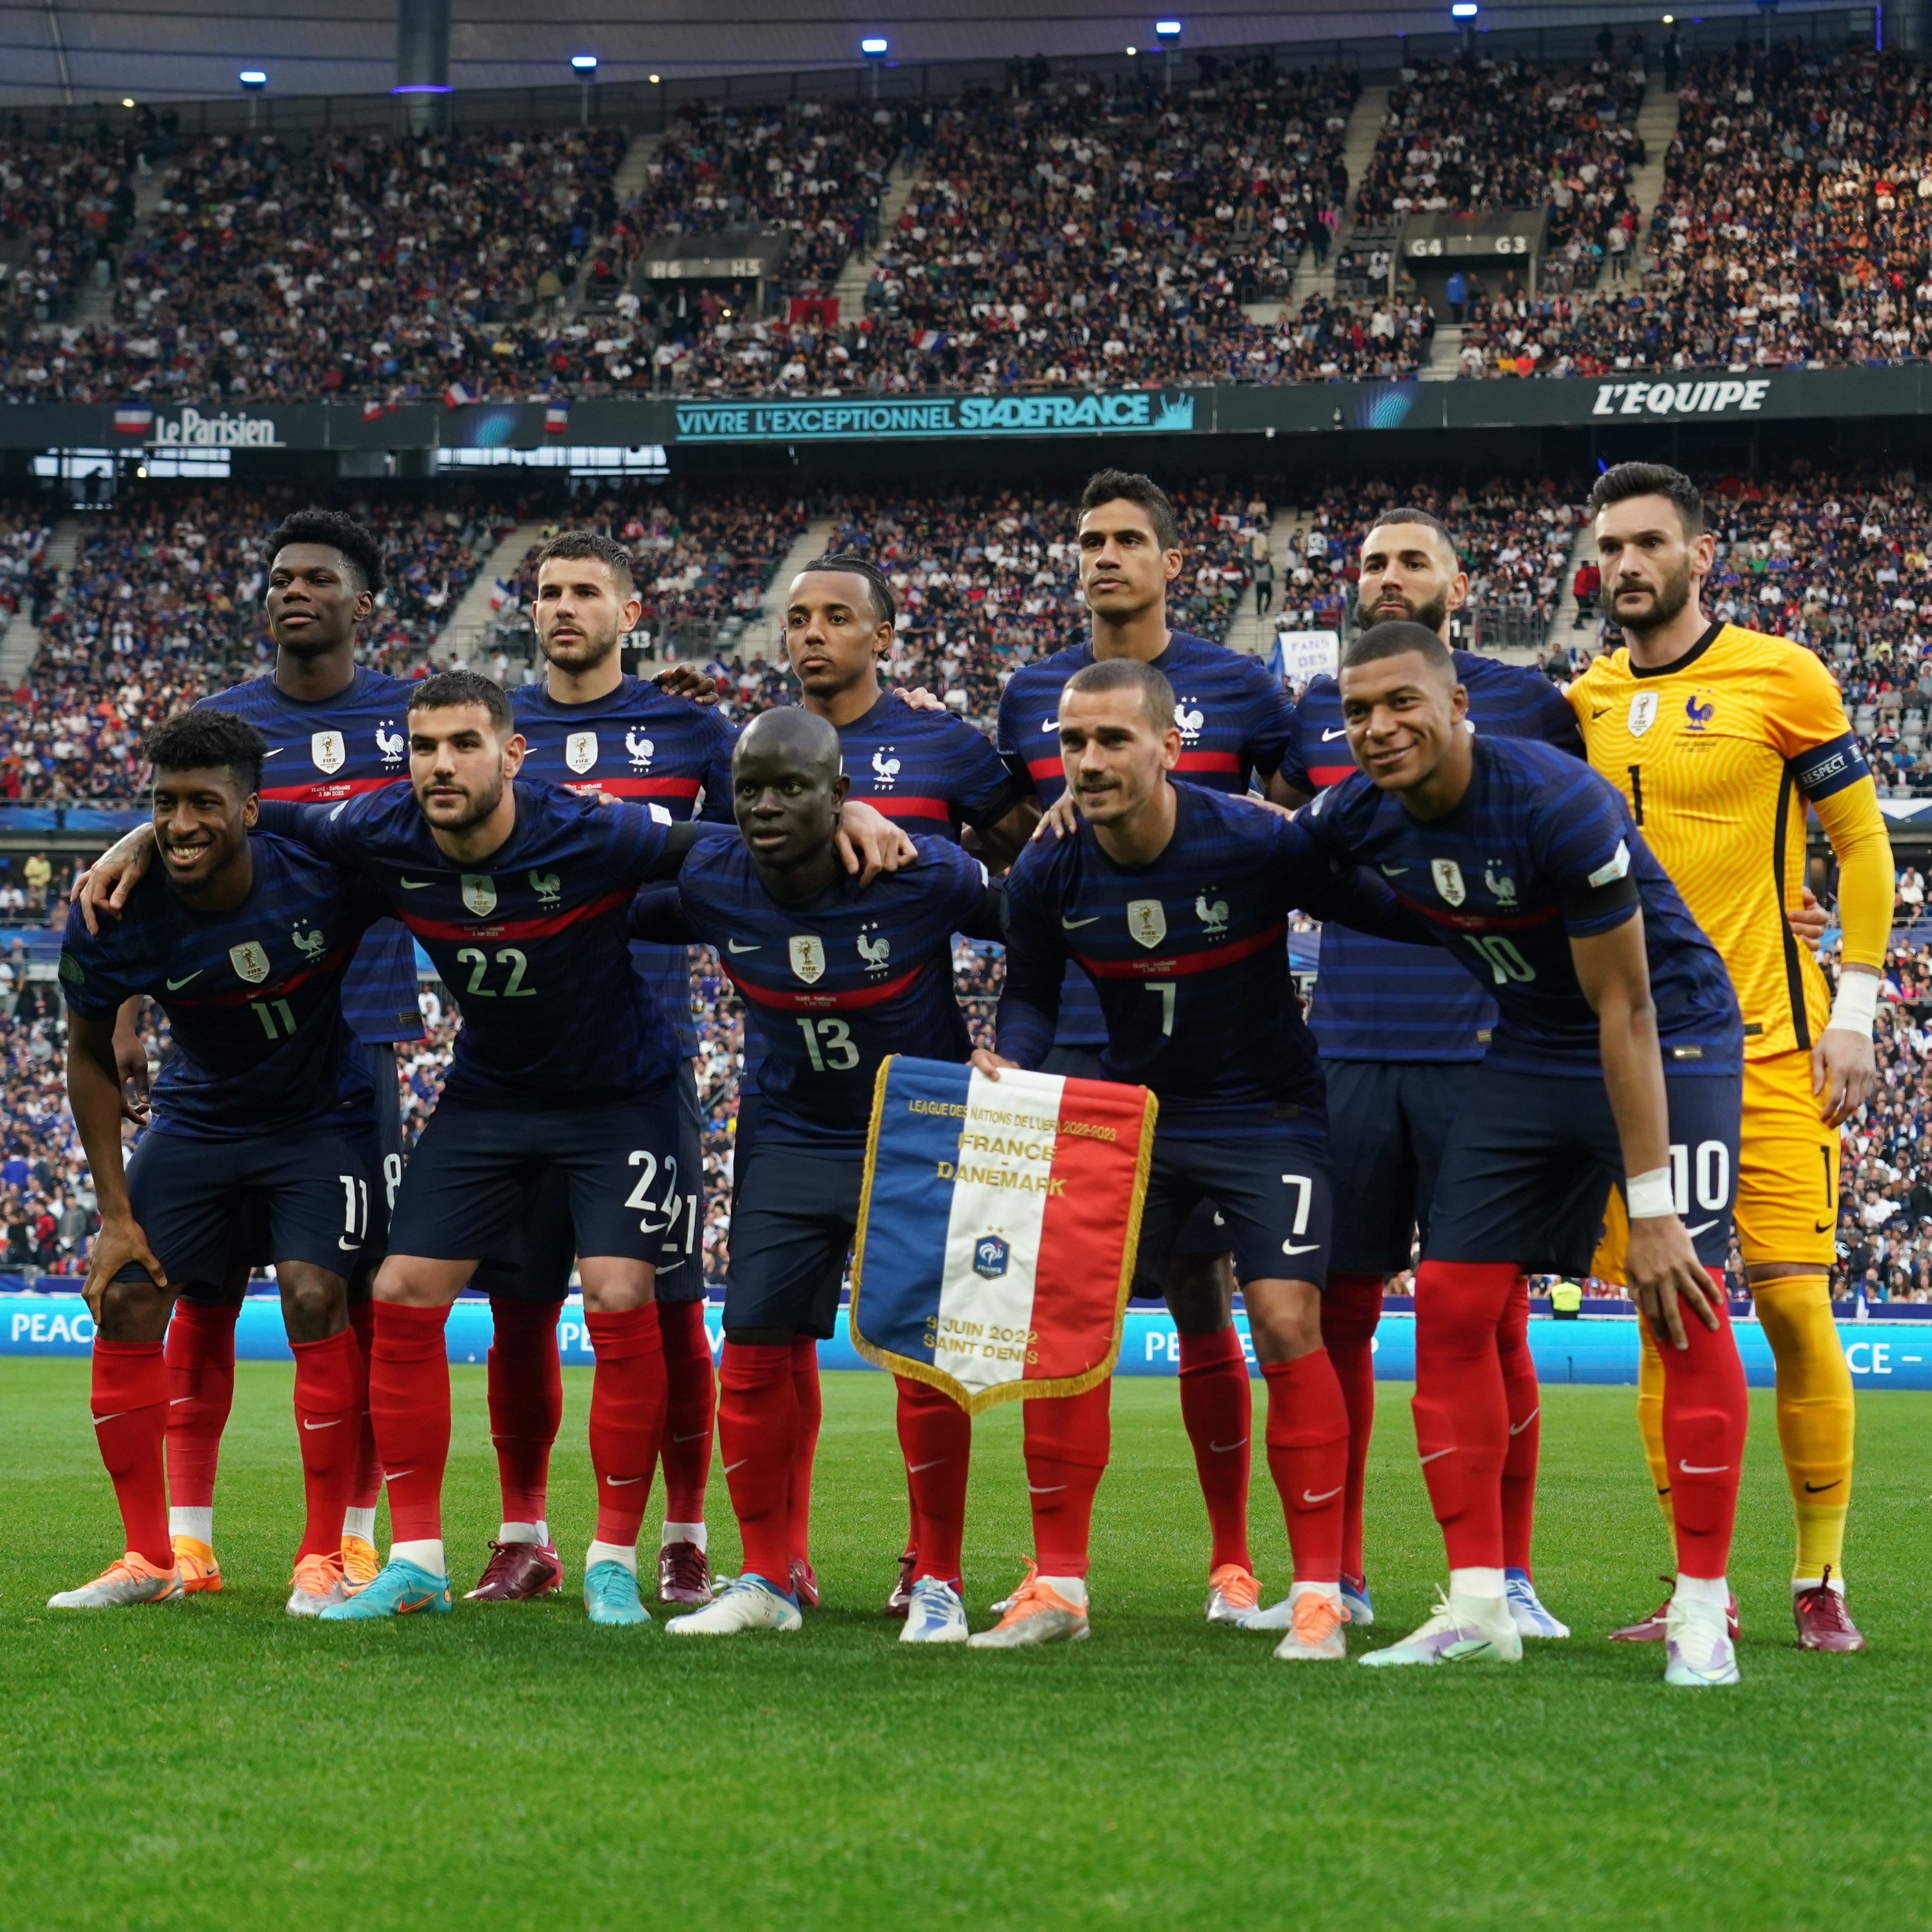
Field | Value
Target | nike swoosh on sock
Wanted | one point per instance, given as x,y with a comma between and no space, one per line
1437,1455
914,1468
1308,1496
1226,1448
1517,1428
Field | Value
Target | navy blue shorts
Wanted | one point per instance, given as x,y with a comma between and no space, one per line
1268,1189
1388,1123
311,1193
465,1193
1203,1232
546,1243
793,1218
1535,1156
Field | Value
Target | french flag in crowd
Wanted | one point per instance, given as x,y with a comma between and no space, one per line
456,395
930,340
371,409
996,1243
556,419
131,419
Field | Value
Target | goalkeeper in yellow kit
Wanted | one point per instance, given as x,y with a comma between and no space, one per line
1721,740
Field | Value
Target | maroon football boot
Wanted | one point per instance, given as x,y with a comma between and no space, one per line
684,1574
900,1601
517,1571
1823,1622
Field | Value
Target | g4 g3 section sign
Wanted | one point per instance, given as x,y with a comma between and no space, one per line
1080,413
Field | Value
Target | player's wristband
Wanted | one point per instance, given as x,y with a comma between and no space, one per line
1650,1196
1856,1007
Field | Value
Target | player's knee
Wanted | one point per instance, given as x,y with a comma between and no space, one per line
1199,1290
133,1308
315,1302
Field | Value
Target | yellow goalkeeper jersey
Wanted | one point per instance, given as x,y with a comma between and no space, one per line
1719,755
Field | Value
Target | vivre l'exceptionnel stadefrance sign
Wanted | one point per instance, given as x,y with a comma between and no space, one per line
1083,412
998,1229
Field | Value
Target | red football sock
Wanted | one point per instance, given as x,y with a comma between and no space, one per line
1525,1428
757,1429
1217,1411
691,1402
130,1399
328,1416
409,1398
1705,1411
1351,1305
1462,1414
1308,1457
200,1351
526,1401
366,1483
627,1411
804,1445
1067,1438
936,1437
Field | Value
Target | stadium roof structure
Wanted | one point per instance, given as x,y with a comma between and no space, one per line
77,52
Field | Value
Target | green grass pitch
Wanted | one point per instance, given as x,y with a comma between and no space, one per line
214,1763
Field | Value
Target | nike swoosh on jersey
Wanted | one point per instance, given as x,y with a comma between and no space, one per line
416,885
1074,924
1701,1228
1049,725
732,946
1600,711
1326,736
276,753
1394,871
1703,1469
175,985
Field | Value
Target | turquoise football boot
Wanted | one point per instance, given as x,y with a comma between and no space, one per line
399,1589
610,1595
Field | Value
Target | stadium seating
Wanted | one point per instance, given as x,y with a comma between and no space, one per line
63,205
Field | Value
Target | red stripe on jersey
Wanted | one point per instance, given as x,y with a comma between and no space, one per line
1207,761
1331,774
516,928
892,806
636,788
327,791
1187,962
1482,921
331,962
1042,768
787,1001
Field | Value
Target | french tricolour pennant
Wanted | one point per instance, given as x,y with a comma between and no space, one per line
556,419
998,1231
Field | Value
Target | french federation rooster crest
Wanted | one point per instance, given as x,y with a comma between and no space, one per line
311,944
641,748
885,769
390,742
875,953
1213,917
1502,890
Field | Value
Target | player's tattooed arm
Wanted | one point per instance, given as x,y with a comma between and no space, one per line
1662,1267
93,1095
102,890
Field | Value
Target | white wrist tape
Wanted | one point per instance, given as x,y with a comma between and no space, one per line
1856,1007
1649,1196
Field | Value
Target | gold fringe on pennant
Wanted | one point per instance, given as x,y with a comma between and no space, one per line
976,1402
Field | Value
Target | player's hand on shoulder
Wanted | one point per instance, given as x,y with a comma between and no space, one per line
984,1059
103,889
870,843
680,680
1061,818
1809,921
916,697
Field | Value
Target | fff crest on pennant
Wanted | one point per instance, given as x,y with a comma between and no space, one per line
579,750
479,893
1146,922
250,960
807,953
329,750
991,1255
1448,877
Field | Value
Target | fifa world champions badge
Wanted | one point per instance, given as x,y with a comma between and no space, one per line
998,1228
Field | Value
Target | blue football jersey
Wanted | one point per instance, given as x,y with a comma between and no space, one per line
834,983
253,997
928,770
1376,1001
1236,723
638,743
1539,848
1189,956
533,944
338,748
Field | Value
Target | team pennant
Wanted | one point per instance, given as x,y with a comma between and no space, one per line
132,419
556,419
998,1228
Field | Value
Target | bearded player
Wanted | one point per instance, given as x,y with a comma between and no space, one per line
1402,1030
589,726
1721,740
